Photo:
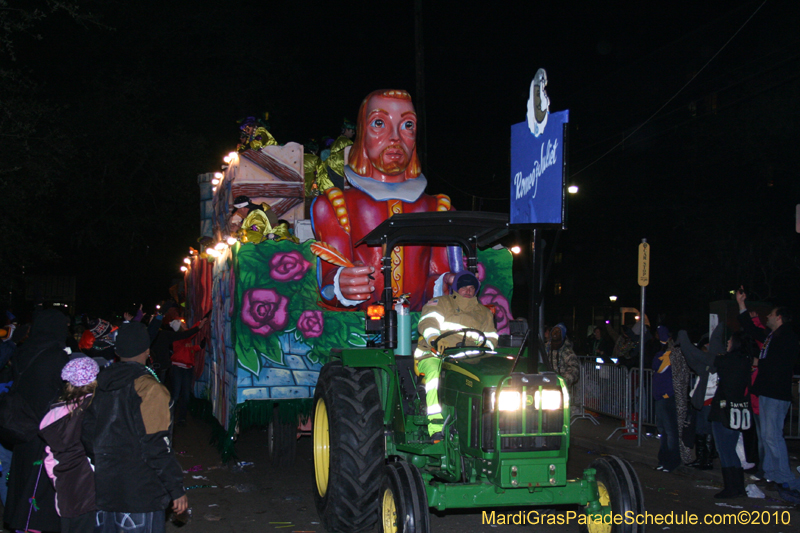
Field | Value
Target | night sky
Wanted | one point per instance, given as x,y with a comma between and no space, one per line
675,136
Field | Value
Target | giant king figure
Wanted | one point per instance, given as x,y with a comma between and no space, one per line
385,177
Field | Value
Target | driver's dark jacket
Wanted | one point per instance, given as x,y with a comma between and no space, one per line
453,312
127,434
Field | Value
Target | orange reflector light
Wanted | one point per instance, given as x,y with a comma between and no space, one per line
375,312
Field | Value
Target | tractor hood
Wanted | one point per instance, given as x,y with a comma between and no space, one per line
487,371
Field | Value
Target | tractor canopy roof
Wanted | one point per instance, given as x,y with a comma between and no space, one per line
468,229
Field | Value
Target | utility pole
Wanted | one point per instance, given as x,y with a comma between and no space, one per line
419,98
644,281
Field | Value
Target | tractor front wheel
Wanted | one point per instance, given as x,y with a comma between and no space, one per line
404,502
619,488
348,448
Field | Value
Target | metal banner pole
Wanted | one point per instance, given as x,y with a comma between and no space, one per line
644,280
535,300
641,368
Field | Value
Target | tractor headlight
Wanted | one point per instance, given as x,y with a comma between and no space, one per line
509,400
547,400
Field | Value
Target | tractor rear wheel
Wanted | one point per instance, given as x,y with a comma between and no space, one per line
281,441
619,489
404,502
348,448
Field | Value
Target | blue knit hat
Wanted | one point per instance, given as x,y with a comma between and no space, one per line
464,278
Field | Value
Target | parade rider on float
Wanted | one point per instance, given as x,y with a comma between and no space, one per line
461,309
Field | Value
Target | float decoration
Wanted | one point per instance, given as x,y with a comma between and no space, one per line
326,252
270,177
254,133
271,330
386,179
255,227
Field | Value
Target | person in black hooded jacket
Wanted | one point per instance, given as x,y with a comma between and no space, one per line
730,411
127,433
40,384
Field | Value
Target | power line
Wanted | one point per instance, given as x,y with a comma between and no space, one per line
643,124
740,81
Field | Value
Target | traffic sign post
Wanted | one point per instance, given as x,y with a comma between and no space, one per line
644,264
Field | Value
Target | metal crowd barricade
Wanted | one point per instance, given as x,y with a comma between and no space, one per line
578,400
614,391
604,389
648,410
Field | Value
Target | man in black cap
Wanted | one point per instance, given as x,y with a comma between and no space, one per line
127,434
460,309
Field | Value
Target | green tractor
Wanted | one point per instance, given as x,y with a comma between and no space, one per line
506,433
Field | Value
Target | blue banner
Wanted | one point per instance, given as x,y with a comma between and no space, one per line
537,172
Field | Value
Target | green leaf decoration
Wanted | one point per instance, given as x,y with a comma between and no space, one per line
251,263
415,321
357,341
249,360
273,350
497,267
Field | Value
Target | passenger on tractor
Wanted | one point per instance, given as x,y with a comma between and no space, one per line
456,311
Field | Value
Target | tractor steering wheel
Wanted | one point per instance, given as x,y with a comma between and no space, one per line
435,342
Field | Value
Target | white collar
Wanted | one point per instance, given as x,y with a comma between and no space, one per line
407,191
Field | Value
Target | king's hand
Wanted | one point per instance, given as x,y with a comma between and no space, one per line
356,282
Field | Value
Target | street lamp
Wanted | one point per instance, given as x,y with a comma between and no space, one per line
572,189
515,249
612,298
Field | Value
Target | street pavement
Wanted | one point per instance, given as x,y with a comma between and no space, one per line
608,436
257,497
248,495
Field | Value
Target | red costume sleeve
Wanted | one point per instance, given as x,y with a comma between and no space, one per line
327,229
422,265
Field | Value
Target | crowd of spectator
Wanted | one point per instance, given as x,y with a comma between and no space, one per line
96,413
726,396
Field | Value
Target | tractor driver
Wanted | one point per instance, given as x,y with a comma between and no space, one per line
461,309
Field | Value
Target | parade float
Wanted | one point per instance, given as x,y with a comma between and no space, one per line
504,430
259,274
290,339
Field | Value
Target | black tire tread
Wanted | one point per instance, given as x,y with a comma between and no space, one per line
624,487
635,486
284,442
355,419
411,499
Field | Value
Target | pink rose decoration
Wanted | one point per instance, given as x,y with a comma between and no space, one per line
310,323
288,266
502,312
264,311
481,269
